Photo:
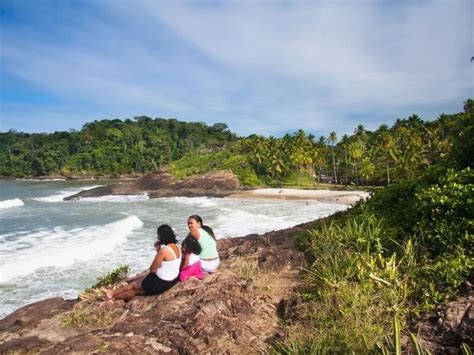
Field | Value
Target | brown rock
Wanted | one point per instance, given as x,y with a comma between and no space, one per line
215,184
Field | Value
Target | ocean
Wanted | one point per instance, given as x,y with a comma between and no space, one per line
50,248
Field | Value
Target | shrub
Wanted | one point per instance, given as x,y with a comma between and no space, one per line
446,213
112,277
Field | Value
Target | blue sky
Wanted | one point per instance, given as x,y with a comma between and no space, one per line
265,67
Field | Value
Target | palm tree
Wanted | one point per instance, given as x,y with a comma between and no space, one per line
367,169
318,156
345,144
355,152
332,139
407,153
386,146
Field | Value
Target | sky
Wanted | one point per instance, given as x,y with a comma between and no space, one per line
264,67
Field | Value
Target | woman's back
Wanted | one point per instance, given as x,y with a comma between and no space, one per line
169,268
208,245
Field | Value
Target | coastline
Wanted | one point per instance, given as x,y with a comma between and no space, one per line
328,196
258,273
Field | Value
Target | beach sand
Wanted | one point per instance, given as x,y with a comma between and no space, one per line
329,196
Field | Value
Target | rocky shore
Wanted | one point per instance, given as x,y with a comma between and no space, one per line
215,184
243,307
237,309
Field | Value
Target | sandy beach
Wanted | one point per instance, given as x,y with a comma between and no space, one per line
330,196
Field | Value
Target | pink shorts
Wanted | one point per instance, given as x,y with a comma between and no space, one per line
192,270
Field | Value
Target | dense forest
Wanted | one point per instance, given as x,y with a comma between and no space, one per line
389,154
106,148
143,145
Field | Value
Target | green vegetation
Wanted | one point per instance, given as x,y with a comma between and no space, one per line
372,268
397,255
112,277
83,317
387,155
113,147
107,147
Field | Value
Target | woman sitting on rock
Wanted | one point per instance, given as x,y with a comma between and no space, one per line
205,236
164,270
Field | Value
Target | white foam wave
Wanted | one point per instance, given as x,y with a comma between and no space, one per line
193,201
64,193
232,222
16,202
116,198
62,248
41,180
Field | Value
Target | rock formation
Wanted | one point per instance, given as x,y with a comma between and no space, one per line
234,310
215,184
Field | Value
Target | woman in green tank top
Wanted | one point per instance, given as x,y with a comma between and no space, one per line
205,236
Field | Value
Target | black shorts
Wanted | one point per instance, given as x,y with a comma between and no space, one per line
153,285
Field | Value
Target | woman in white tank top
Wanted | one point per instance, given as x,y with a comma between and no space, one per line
163,272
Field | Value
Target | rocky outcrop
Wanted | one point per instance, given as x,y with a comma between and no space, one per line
242,308
215,184
446,329
234,310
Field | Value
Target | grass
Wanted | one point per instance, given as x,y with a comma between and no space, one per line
246,268
386,258
112,277
352,289
83,317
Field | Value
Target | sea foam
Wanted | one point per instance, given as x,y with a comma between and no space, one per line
61,248
16,202
266,216
115,198
61,195
192,201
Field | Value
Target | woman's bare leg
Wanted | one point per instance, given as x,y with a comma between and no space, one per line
129,294
111,294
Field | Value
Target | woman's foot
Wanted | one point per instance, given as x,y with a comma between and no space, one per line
108,294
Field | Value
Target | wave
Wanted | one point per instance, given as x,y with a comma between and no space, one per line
16,202
41,180
268,216
61,248
195,201
64,193
116,198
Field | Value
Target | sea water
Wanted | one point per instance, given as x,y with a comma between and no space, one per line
50,247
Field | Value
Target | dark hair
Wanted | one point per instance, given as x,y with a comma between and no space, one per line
166,234
196,217
209,231
190,243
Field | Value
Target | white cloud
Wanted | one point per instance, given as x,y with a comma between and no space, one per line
261,67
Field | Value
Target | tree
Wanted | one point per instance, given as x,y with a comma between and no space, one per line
332,139
355,152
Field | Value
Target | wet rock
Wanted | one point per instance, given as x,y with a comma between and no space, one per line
31,315
215,184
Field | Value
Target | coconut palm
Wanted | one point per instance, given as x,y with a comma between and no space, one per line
332,139
355,153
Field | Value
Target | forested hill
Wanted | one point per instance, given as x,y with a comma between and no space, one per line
106,147
143,145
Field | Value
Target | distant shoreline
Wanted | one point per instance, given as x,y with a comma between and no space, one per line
345,197
329,196
70,178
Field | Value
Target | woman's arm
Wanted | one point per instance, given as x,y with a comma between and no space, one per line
159,257
185,261
195,234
